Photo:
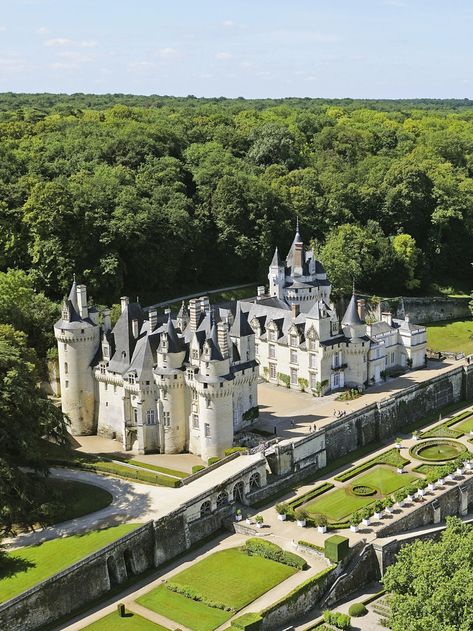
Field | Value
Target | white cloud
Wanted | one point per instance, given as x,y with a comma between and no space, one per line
3,29
169,53
58,41
77,57
247,64
222,56
140,66
228,23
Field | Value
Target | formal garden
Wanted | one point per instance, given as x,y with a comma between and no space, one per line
210,592
454,427
128,622
24,567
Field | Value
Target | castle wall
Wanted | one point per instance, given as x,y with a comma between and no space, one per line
111,415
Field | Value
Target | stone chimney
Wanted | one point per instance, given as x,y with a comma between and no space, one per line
205,304
194,313
222,337
82,301
107,324
387,317
298,258
124,301
361,307
153,319
260,291
134,328
295,310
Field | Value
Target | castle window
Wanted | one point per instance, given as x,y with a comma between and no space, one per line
105,386
312,345
195,353
114,389
131,378
66,368
165,358
150,417
195,421
293,357
271,335
65,346
313,381
105,351
293,376
135,415
294,340
256,349
82,330
167,419
207,430
67,384
164,395
208,402
272,351
312,360
272,371
195,396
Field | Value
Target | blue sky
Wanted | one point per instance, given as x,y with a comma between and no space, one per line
250,48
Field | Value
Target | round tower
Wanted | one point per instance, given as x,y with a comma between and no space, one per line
78,339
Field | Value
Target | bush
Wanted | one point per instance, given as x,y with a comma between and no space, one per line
357,610
268,550
307,544
197,467
339,620
192,594
283,508
213,460
319,520
301,514
234,450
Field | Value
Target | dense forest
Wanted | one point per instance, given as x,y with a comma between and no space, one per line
155,196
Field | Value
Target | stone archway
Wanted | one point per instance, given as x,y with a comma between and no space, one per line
205,509
238,492
222,499
255,481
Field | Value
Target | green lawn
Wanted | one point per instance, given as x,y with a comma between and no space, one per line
28,566
77,498
190,613
456,337
340,504
132,622
465,426
231,577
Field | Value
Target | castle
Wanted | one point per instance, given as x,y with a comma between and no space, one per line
189,382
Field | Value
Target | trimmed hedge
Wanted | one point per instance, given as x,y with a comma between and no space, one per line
234,450
310,495
268,550
391,457
197,467
247,622
357,610
444,430
213,460
193,594
307,544
339,620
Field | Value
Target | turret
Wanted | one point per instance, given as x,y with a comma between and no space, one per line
352,325
78,339
276,276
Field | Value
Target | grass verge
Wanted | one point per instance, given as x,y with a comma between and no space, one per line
131,622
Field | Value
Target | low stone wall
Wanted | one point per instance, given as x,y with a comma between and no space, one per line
209,469
432,309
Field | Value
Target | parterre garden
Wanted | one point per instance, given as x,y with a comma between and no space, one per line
454,427
210,592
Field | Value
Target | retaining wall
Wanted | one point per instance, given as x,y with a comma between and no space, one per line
432,309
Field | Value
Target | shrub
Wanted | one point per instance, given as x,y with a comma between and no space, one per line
339,620
355,519
213,460
285,379
411,489
307,544
197,467
388,502
319,520
400,495
378,506
357,610
259,519
268,550
283,508
193,594
234,450
366,512
301,514
363,490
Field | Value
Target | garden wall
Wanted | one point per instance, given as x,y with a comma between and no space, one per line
432,309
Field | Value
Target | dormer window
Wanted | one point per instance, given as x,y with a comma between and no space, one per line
164,341
294,340
131,377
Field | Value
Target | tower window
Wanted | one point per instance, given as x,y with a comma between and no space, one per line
66,368
167,419
67,384
207,430
150,417
65,346
135,415
195,421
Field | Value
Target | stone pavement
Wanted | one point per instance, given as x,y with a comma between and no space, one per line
280,405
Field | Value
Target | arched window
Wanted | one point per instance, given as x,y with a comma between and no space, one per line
255,480
238,491
222,499
135,415
205,509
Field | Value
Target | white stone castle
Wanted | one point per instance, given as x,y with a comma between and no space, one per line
189,383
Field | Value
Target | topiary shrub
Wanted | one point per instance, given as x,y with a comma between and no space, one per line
357,610
363,490
213,460
339,620
197,467
234,450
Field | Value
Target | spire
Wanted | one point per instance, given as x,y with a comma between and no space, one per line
297,227
275,262
240,326
175,343
212,342
292,250
73,295
351,314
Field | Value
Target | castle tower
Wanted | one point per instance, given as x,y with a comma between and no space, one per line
78,339
276,277
169,376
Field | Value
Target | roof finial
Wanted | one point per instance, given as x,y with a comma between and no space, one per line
353,290
74,277
297,224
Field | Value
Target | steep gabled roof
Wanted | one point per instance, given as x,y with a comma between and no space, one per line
240,326
124,340
176,344
212,342
276,262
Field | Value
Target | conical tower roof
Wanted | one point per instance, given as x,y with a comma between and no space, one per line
73,295
175,343
351,316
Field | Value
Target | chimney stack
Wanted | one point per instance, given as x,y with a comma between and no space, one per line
260,291
124,301
387,317
295,309
82,301
298,258
194,313
222,337
205,304
134,328
361,306
107,325
153,319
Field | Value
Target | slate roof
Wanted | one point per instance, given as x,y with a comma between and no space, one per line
351,316
123,337
240,326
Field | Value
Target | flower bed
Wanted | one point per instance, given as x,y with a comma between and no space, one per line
363,490
447,429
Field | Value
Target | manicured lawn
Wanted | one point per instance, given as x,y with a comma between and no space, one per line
132,622
340,504
190,613
386,480
455,337
439,451
27,566
230,577
77,498
465,426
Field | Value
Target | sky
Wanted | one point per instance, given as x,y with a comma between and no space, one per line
249,48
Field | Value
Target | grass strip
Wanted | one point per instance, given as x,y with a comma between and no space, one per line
391,457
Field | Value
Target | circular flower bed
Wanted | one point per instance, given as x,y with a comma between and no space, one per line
363,490
437,450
